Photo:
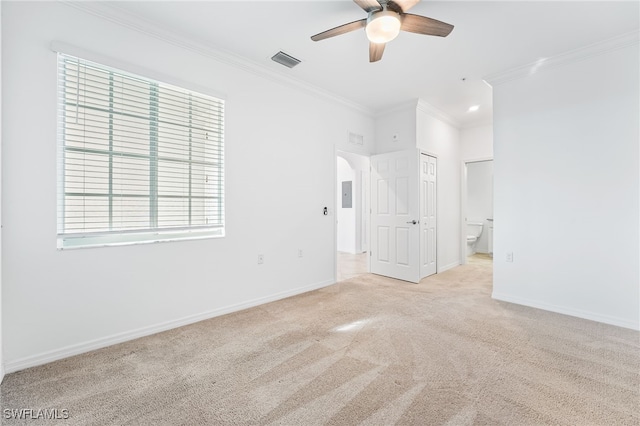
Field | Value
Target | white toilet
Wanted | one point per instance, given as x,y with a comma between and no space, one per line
474,230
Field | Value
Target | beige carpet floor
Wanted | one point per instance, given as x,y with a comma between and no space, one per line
369,350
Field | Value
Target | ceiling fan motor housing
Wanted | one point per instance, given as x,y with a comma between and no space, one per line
383,25
385,19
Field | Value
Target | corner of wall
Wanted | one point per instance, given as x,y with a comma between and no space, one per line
427,108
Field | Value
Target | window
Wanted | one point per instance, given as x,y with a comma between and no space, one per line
138,160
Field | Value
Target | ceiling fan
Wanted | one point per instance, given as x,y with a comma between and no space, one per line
386,19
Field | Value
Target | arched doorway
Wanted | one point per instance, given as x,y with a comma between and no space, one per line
352,219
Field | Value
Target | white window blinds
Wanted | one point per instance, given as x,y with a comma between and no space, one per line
139,160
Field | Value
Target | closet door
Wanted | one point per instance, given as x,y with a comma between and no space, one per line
428,218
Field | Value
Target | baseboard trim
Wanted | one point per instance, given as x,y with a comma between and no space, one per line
579,313
91,345
449,266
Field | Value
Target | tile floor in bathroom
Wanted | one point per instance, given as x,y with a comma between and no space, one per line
352,265
480,259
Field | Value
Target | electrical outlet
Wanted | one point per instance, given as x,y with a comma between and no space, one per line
510,257
299,252
260,259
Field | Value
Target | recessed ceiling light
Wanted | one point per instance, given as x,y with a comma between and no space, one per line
474,108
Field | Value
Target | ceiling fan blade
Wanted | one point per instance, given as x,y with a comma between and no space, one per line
375,51
368,5
342,29
405,5
423,25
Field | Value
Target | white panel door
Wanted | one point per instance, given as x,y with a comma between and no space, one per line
395,212
428,222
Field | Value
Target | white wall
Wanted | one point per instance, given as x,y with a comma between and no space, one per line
567,188
442,140
476,143
396,129
1,100
480,199
346,217
56,303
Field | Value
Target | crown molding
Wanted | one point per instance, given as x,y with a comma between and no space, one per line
595,49
415,105
108,11
408,105
474,124
433,111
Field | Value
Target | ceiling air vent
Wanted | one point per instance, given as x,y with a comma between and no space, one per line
286,60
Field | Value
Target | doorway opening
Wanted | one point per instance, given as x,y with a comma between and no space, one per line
477,214
352,215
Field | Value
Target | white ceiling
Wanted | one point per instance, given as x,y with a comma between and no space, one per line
489,37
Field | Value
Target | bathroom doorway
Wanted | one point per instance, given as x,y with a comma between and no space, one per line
352,215
477,212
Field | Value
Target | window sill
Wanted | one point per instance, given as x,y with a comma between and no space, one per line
111,240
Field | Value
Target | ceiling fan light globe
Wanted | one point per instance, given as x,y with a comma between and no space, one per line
382,27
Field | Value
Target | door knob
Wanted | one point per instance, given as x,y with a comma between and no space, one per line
413,222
